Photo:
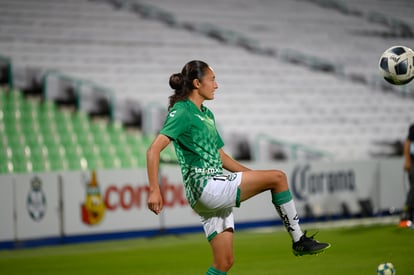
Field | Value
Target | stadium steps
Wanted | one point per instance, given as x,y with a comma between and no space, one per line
344,35
135,56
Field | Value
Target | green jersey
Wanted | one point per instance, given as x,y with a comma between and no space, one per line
197,143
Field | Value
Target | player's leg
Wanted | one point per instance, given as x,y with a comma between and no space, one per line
222,248
215,208
410,196
255,182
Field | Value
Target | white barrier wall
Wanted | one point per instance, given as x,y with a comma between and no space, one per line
36,206
324,187
177,212
115,201
82,203
393,187
7,227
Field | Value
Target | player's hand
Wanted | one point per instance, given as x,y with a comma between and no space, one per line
154,202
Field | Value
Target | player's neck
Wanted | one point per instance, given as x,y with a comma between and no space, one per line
196,99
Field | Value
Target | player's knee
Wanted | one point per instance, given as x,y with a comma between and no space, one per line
225,264
280,178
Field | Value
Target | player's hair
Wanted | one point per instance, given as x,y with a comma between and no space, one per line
182,83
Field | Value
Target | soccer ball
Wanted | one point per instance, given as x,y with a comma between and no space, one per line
396,65
386,269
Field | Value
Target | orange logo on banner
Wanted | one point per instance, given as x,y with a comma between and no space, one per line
93,209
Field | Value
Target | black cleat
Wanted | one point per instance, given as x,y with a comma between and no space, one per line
308,246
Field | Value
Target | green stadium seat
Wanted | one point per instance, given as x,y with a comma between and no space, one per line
74,163
33,139
21,166
116,127
147,140
28,111
12,100
50,140
16,96
100,135
4,167
39,163
57,163
48,106
116,138
168,154
85,139
103,141
93,163
68,140
5,158
37,136
127,160
45,116
62,122
11,118
86,159
111,162
38,151
20,153
55,152
3,154
27,127
80,122
13,137
133,140
109,157
2,96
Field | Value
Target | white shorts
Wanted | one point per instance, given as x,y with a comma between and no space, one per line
215,206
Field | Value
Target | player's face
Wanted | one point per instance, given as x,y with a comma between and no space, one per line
208,85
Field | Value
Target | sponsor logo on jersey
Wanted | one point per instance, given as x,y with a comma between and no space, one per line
200,117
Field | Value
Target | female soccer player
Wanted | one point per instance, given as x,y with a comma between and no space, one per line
212,194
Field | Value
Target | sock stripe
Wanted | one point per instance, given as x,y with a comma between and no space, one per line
213,271
281,197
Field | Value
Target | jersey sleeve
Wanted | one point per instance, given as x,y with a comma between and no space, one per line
175,124
220,142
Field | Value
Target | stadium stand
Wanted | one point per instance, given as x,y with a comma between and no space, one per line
39,136
300,76
345,34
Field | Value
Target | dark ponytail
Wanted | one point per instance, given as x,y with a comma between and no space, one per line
182,83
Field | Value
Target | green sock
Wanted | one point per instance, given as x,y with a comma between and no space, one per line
286,209
213,271
281,197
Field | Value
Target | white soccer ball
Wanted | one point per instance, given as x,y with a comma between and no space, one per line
396,65
386,269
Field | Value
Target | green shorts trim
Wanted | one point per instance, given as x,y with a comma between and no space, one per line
238,197
212,235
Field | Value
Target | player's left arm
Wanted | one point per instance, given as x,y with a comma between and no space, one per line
231,164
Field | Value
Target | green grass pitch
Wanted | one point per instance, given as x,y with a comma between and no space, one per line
355,250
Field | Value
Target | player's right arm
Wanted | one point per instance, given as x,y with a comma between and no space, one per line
231,164
155,202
